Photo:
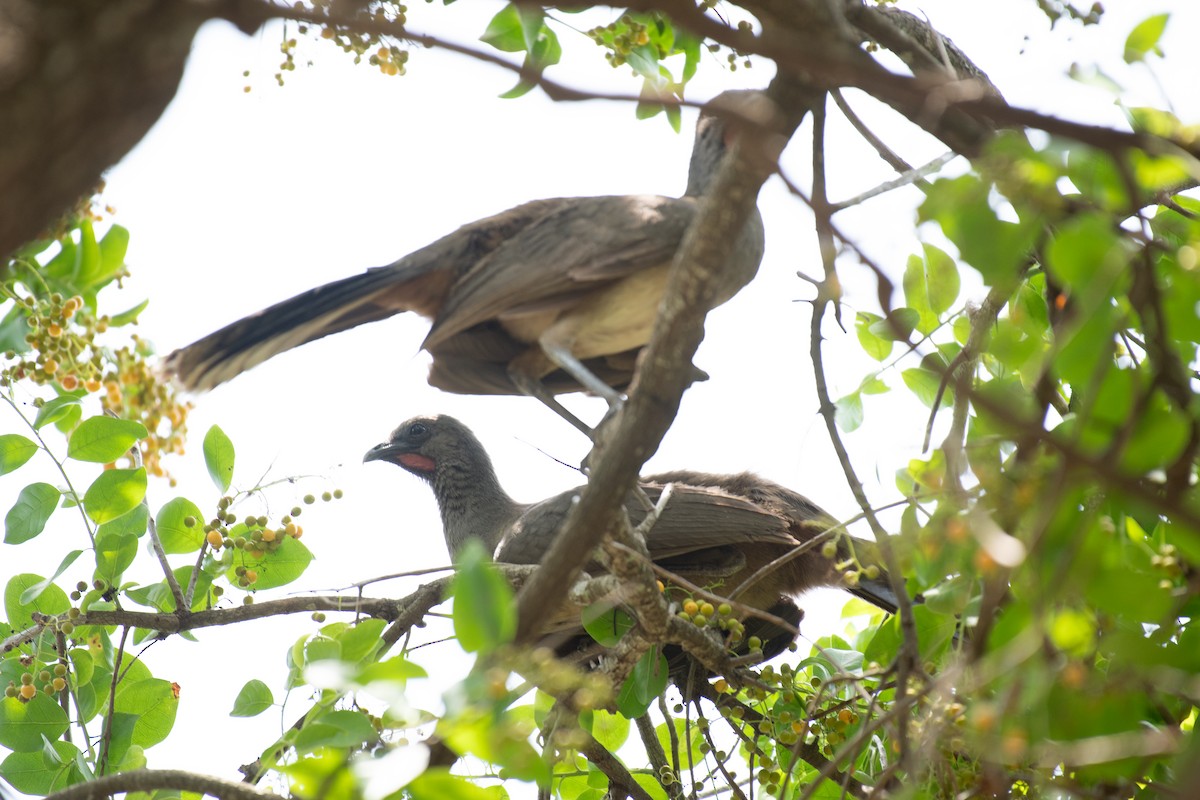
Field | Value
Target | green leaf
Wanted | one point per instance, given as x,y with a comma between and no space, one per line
643,686
396,669
56,409
342,728
88,263
610,730
277,568
20,615
129,315
360,642
112,254
28,516
931,285
849,412
103,439
23,724
218,457
874,346
681,729
924,384
15,450
1086,254
173,531
114,553
154,702
606,624
254,698
29,774
132,524
115,492
120,730
997,248
485,614
438,784
35,591
1144,38
900,322
505,32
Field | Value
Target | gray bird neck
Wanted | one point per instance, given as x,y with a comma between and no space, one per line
707,152
472,502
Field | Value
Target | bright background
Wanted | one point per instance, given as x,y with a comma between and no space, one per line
236,200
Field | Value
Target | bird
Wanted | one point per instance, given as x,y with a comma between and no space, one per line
715,530
551,296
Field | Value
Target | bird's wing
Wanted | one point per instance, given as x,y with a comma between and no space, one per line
580,243
417,282
699,518
694,519
475,361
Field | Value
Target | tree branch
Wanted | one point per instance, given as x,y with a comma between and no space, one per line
147,780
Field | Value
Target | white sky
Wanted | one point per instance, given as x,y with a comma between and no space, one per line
238,200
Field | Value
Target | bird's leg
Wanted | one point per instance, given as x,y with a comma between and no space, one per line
561,355
535,388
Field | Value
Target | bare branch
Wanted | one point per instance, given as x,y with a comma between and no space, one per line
147,780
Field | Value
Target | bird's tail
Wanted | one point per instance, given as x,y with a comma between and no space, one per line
332,308
878,592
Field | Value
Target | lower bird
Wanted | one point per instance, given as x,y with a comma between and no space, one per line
715,530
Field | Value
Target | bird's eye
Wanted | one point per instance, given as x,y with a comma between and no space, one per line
417,429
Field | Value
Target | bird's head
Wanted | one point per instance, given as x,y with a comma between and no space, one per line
423,443
723,119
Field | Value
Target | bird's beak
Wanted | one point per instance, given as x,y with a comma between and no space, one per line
384,451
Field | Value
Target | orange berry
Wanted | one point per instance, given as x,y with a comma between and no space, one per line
214,539
268,535
27,691
69,383
251,576
690,607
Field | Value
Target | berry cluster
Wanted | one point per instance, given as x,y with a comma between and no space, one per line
51,683
132,390
620,38
62,350
703,614
60,339
253,535
389,58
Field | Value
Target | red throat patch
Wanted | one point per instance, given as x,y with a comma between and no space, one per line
416,461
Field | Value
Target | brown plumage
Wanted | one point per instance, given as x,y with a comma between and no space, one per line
552,296
715,531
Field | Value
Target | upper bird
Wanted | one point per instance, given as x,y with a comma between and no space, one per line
552,296
715,530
